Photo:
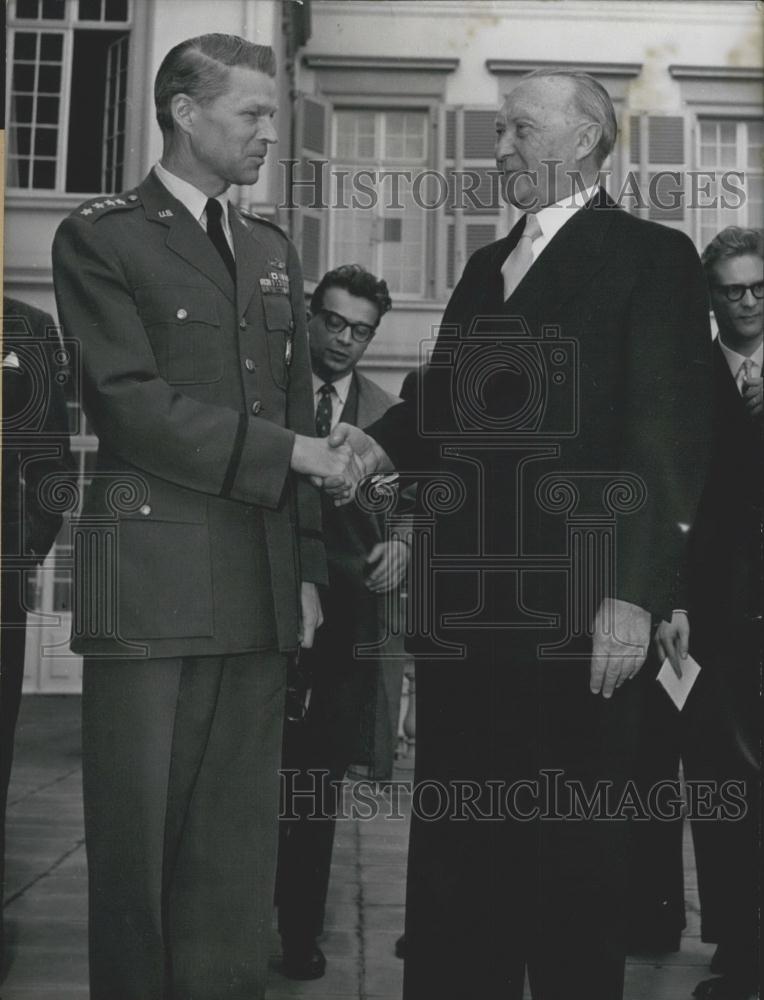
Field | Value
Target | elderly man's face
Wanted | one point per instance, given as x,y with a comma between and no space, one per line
229,136
740,322
538,127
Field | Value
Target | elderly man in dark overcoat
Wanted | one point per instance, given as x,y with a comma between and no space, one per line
565,414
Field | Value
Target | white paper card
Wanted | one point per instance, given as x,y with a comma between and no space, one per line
678,688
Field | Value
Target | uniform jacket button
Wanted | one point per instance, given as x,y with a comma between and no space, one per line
182,314
257,407
242,324
249,364
145,510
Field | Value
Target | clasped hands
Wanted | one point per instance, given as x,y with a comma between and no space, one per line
337,463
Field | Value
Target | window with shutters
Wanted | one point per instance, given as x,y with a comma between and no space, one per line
727,145
67,95
377,220
657,162
475,213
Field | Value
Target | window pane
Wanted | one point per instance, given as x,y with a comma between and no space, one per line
25,45
44,174
707,156
116,10
21,140
53,10
21,109
47,110
728,156
49,80
28,8
51,47
18,172
727,132
45,142
23,79
89,10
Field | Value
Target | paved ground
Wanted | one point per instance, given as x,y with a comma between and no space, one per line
46,906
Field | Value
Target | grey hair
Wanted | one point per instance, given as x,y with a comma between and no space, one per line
592,101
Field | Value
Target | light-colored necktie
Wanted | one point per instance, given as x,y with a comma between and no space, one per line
744,373
514,268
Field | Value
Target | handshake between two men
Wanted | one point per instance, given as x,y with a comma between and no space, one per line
338,462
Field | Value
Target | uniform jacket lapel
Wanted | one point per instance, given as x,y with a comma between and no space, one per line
185,237
252,257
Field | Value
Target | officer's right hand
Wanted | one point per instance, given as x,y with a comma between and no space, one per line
316,458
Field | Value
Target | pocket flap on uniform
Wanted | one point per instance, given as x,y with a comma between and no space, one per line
278,312
177,304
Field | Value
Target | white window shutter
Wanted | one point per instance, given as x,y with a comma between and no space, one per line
658,155
310,184
475,209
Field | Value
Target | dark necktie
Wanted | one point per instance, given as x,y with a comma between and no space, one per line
324,411
215,232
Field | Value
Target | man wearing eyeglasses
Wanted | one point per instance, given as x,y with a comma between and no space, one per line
364,568
723,630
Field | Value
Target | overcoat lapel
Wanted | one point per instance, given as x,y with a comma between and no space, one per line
185,237
569,262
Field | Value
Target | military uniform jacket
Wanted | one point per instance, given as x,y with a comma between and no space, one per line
194,534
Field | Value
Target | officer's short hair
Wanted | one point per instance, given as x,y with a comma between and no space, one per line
199,67
733,241
358,281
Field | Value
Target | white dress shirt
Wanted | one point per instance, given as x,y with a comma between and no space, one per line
194,199
552,218
338,397
735,361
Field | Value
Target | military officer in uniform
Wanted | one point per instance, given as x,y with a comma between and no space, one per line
199,549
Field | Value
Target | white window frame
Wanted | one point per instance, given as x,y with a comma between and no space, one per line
66,26
380,111
741,122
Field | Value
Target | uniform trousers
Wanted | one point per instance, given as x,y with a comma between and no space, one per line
317,753
180,774
12,648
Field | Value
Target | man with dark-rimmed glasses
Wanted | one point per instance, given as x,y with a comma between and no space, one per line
365,566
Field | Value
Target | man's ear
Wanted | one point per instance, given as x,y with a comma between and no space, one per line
183,111
589,135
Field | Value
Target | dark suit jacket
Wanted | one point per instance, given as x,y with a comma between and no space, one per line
598,365
724,577
37,460
195,389
353,611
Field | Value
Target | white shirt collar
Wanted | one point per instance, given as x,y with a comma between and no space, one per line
735,360
190,196
341,388
553,217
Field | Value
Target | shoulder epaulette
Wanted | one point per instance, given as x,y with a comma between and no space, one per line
96,208
254,217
